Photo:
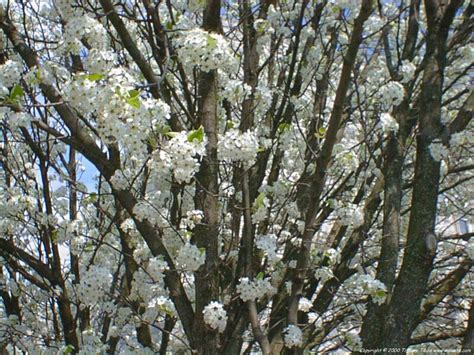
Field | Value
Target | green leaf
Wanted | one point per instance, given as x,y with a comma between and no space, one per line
165,309
196,134
169,25
16,93
133,93
54,236
134,98
282,127
94,77
160,128
261,149
89,247
68,349
380,293
134,101
211,42
260,275
260,200
321,133
171,134
202,250
93,197
152,142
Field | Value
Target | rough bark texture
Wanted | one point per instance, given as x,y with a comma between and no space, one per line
411,284
206,199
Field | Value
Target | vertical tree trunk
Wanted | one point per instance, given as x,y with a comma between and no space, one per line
206,199
404,308
387,266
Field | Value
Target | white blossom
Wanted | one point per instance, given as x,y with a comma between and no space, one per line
268,243
438,151
180,156
389,123
293,336
323,273
353,340
95,283
408,71
206,50
470,248
194,217
391,94
84,27
375,288
190,258
304,305
215,316
237,146
254,289
10,74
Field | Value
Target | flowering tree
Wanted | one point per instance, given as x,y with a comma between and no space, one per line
221,177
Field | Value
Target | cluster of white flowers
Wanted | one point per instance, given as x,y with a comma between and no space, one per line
346,156
389,123
65,9
237,146
10,74
206,50
349,214
470,249
181,156
119,181
148,283
94,284
91,343
438,151
323,273
215,316
235,90
122,315
254,289
375,288
260,212
333,256
391,94
121,114
304,305
190,257
193,217
83,94
19,119
84,28
162,304
100,61
459,139
293,336
142,211
67,230
408,71
268,243
316,319
353,340
156,268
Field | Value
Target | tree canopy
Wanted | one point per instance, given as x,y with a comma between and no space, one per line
227,177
